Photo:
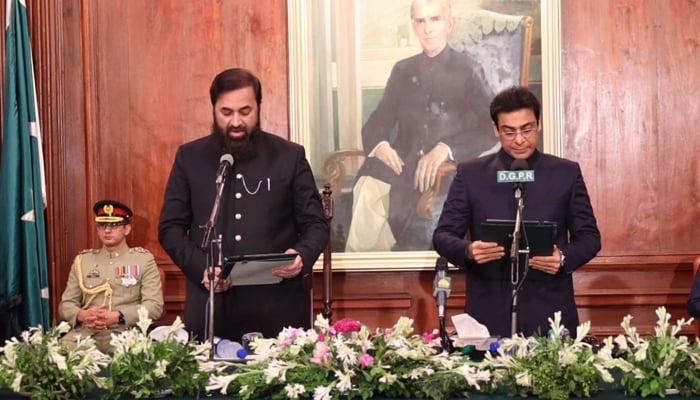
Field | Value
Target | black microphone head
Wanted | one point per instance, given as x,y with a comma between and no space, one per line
441,264
226,158
519,164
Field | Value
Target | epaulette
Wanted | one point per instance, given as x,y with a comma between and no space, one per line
139,250
89,251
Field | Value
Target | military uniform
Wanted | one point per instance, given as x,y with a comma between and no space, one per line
122,280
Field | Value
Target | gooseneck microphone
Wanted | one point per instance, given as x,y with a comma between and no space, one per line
521,166
517,165
442,286
225,163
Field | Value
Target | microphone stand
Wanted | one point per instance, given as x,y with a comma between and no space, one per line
208,245
444,338
515,260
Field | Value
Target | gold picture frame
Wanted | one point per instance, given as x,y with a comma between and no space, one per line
310,35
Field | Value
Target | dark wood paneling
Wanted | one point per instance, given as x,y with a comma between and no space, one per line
606,291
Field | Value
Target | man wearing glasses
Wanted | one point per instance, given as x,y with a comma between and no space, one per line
107,286
557,193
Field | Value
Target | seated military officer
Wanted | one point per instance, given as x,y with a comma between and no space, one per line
107,286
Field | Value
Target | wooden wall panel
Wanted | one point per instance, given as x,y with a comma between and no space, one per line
136,79
678,49
627,76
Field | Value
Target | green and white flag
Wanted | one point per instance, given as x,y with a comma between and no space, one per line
24,293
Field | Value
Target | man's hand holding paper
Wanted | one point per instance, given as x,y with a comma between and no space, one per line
290,270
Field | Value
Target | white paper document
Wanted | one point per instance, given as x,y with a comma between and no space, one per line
257,269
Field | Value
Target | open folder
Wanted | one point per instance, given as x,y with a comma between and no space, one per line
537,236
255,269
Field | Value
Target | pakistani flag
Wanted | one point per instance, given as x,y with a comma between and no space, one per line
24,293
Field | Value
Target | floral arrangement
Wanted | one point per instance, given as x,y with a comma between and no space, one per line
348,360
41,366
554,367
658,364
150,368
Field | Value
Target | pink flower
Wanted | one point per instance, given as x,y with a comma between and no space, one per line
321,355
291,335
430,336
366,360
346,325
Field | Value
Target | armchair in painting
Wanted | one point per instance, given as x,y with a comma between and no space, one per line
501,44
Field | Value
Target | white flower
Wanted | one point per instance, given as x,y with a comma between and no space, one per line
582,331
17,382
640,353
294,391
621,341
567,356
524,379
322,393
161,367
388,379
556,326
276,370
56,357
321,323
346,354
144,322
220,383
344,384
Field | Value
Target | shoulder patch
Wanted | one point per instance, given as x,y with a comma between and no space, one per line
139,250
84,251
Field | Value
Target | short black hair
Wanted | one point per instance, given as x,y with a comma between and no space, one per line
512,99
233,79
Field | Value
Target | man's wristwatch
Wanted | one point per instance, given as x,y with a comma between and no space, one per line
122,320
562,259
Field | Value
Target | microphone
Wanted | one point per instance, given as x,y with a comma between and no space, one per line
442,286
225,163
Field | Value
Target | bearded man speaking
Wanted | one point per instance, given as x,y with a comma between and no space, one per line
269,204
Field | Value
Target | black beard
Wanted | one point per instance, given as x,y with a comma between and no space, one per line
243,149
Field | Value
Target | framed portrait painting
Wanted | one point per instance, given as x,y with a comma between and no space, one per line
378,85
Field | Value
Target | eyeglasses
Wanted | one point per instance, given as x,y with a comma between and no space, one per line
525,130
113,225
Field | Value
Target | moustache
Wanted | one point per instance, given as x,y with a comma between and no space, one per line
235,129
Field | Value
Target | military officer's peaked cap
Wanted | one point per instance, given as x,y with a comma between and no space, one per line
111,211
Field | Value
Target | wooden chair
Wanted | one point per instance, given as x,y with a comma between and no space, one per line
162,320
327,296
